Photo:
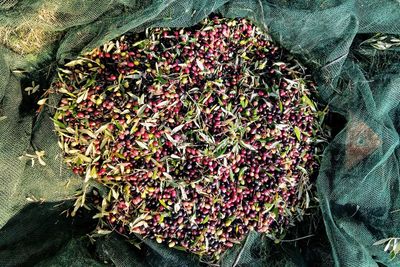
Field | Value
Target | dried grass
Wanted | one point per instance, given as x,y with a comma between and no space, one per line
34,33
47,14
25,39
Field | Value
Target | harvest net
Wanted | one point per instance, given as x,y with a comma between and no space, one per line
358,181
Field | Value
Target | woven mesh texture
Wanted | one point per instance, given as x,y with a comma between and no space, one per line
358,183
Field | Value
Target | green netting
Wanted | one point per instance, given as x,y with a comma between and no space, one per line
358,184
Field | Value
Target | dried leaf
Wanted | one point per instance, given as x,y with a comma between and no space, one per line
200,64
43,101
41,162
248,146
163,104
73,63
206,138
388,245
177,129
177,207
382,241
167,175
183,193
82,97
88,132
169,137
141,110
142,144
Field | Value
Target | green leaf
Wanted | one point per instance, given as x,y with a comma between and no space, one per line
276,212
229,221
231,175
302,169
119,126
179,248
206,219
221,148
155,174
65,91
242,103
161,80
229,107
142,43
59,123
268,206
115,193
93,172
90,82
309,102
297,131
241,172
162,202
119,155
